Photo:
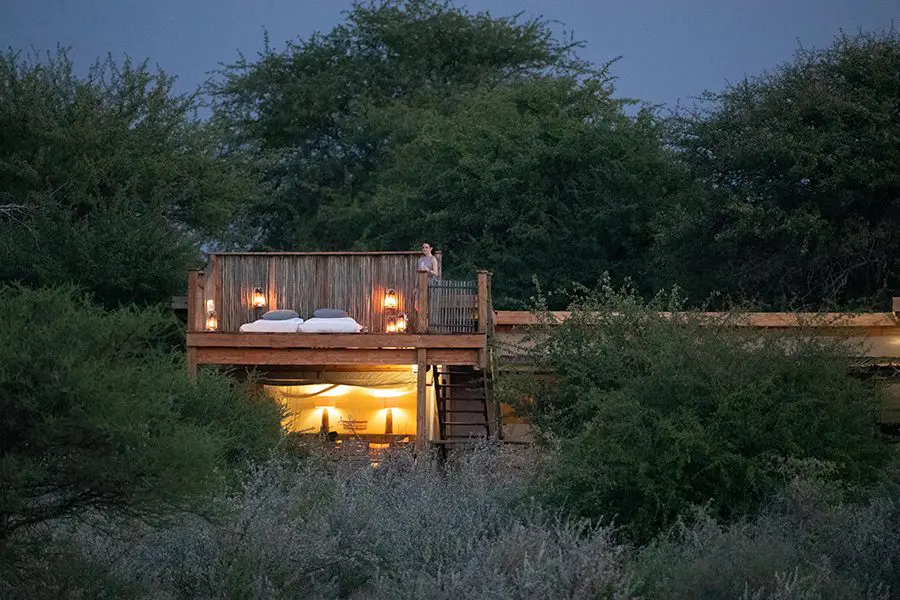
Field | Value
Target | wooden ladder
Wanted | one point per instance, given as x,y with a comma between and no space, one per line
462,407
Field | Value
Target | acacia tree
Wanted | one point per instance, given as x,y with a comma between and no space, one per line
800,196
314,110
488,136
108,180
97,414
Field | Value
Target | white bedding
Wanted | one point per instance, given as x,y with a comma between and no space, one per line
264,326
339,325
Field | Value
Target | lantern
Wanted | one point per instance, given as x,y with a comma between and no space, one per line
259,298
212,323
402,322
391,325
390,299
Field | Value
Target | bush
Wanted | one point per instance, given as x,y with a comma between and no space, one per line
650,414
403,530
96,413
811,541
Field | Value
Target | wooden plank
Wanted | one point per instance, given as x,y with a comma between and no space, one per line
192,360
271,296
298,356
422,315
334,340
346,356
482,306
512,318
193,301
421,398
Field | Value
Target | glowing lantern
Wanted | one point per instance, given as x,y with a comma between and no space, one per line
401,323
259,298
390,299
391,325
212,323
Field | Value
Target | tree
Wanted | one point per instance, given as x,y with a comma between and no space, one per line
800,194
97,414
650,414
109,181
545,178
313,111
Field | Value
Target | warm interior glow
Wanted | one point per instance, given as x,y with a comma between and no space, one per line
349,409
401,323
391,326
390,299
212,323
259,298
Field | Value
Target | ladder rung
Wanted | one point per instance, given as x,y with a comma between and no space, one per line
458,410
475,424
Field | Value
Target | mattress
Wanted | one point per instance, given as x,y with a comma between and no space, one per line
264,326
339,325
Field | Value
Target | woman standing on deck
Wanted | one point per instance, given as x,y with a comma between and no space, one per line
428,262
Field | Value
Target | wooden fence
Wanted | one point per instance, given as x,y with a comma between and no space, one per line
452,306
304,281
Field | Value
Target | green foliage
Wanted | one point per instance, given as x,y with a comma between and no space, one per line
651,415
814,539
96,413
800,194
544,177
108,181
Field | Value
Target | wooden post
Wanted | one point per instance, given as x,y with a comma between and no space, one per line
271,303
421,401
440,262
485,322
422,315
191,357
895,306
196,303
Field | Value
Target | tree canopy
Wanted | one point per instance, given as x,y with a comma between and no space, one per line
107,181
799,196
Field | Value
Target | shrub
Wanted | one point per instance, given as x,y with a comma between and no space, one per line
649,414
96,413
403,530
811,541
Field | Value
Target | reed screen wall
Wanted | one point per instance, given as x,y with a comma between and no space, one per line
352,281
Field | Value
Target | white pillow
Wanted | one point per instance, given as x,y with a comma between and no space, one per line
338,325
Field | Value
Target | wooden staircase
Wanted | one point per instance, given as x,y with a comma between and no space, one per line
462,405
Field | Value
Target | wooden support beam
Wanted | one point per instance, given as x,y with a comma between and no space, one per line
342,356
421,400
422,314
271,299
191,358
334,340
485,322
193,301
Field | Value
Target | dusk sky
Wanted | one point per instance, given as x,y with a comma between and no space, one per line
670,49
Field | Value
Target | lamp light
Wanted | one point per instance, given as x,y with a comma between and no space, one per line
390,298
259,298
389,421
391,326
402,322
212,323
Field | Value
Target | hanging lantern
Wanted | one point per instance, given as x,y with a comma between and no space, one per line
391,326
259,298
390,299
212,323
402,322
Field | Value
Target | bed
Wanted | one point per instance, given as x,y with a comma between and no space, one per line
313,325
